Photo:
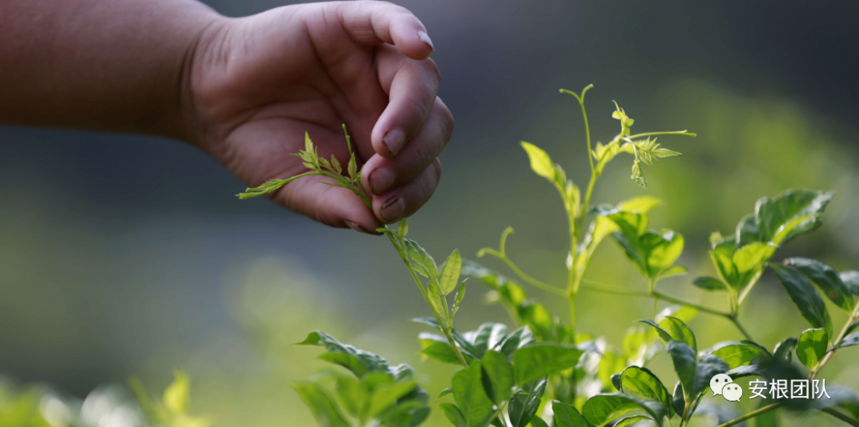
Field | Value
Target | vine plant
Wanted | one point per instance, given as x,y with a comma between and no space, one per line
545,371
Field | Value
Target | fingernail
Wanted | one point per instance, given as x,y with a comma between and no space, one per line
393,141
392,210
381,180
358,228
425,38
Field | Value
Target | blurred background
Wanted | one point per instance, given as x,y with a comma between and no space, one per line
129,255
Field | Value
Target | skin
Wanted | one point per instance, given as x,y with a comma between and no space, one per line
244,90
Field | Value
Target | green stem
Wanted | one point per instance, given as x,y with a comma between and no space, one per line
853,316
739,326
498,413
840,416
677,132
752,414
530,280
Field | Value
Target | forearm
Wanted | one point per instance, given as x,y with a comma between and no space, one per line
113,65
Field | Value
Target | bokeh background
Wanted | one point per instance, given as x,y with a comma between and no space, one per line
129,255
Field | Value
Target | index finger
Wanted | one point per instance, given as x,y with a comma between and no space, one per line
370,23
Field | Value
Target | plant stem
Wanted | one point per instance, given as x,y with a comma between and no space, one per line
853,316
752,414
840,416
677,132
530,280
739,326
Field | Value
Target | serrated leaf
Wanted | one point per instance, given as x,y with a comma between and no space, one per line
437,348
804,296
450,272
643,382
826,278
739,354
567,416
487,336
358,361
523,406
543,359
423,259
604,407
497,376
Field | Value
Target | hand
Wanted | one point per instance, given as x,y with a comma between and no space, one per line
257,84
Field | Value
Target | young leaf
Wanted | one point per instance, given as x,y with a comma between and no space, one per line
487,336
453,414
790,214
176,396
497,376
516,340
826,278
543,359
437,348
358,361
710,284
457,299
403,228
523,406
812,346
422,259
643,382
739,354
662,250
450,272
784,349
804,296
672,328
323,407
541,163
685,365
567,415
470,396
604,407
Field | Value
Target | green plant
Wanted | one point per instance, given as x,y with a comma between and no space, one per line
546,371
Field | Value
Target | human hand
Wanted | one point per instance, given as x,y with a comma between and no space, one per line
256,84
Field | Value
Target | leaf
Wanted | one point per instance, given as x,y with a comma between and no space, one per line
605,407
407,414
674,270
849,340
678,402
516,340
623,422
642,204
851,281
453,414
543,359
177,394
804,296
471,399
403,228
661,250
523,406
790,214
643,382
784,349
663,334
437,348
812,346
459,338
538,318
679,331
486,337
450,272
422,259
685,365
351,394
386,392
444,393
739,354
541,163
567,415
826,278
710,284
708,367
324,409
336,165
457,299
497,376
358,361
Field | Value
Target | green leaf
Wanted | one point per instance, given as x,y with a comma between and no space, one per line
851,281
488,336
707,367
679,331
543,359
516,340
386,392
661,250
497,376
639,380
177,394
567,415
444,393
324,409
804,296
604,407
459,338
422,259
457,299
663,334
849,340
611,363
685,365
784,349
523,406
678,402
470,396
623,422
437,348
826,278
790,214
453,414
351,394
541,163
538,422
407,414
812,346
739,354
710,284
358,361
403,228
450,272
